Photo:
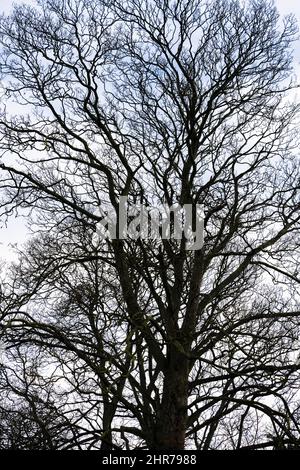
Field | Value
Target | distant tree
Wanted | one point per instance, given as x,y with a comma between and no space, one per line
141,343
29,418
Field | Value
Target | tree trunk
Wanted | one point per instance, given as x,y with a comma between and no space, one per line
172,417
108,413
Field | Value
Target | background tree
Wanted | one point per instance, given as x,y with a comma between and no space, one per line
143,343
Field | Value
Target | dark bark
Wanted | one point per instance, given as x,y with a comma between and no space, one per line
172,417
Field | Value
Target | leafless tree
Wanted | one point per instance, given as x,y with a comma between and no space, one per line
141,343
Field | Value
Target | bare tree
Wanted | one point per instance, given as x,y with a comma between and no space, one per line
141,343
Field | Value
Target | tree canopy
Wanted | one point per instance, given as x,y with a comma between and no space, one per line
140,343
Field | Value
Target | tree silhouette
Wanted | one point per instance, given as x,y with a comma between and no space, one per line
142,343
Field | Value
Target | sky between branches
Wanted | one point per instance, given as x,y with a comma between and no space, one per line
14,232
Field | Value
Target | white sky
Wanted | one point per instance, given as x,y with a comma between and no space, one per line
15,231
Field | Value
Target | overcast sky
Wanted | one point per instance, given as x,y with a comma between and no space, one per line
15,232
